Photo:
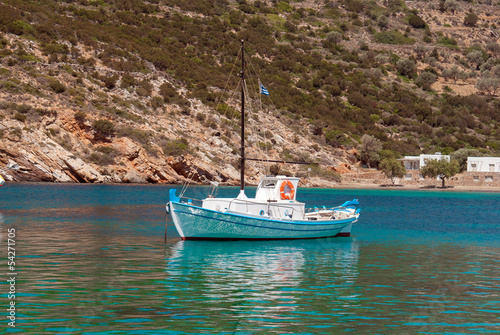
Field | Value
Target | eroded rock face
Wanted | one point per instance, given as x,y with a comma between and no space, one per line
132,176
202,171
83,172
186,167
53,163
54,144
60,149
50,162
127,147
17,165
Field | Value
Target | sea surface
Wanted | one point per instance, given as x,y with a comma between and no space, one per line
92,259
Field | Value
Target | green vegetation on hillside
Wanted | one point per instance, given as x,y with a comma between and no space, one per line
308,58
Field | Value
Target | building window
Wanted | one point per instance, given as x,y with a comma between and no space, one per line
476,178
473,166
408,176
492,167
488,179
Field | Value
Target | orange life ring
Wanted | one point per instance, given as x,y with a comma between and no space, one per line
287,194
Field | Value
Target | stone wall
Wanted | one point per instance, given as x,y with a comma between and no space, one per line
413,178
473,178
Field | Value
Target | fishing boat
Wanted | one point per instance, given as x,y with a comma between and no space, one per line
274,212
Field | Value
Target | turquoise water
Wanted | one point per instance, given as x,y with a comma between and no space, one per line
91,259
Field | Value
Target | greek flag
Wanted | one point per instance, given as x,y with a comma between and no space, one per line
263,90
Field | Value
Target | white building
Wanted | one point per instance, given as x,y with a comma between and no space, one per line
483,164
417,162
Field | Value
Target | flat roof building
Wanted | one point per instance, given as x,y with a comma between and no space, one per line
483,164
417,162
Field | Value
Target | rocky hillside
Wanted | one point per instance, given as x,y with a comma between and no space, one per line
133,91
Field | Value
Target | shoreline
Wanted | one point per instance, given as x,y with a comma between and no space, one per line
347,186
401,187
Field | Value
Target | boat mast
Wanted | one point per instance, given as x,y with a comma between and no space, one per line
242,161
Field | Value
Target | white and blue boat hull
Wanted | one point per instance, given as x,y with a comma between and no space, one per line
197,223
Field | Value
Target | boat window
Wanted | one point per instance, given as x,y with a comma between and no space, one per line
268,184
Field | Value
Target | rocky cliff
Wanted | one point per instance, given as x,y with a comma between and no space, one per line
97,92
47,137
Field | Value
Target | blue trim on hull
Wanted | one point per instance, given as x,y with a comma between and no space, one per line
305,223
259,226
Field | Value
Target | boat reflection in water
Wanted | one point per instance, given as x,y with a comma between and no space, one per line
269,280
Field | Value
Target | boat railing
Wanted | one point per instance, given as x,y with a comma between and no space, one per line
281,210
274,209
346,205
191,201
321,209
272,206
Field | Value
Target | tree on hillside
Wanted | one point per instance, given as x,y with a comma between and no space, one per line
461,156
416,21
440,168
383,22
470,20
475,57
80,117
450,73
392,169
369,148
493,47
334,37
425,80
421,50
448,5
406,67
104,127
488,83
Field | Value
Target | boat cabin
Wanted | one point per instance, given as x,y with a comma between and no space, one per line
275,197
277,189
